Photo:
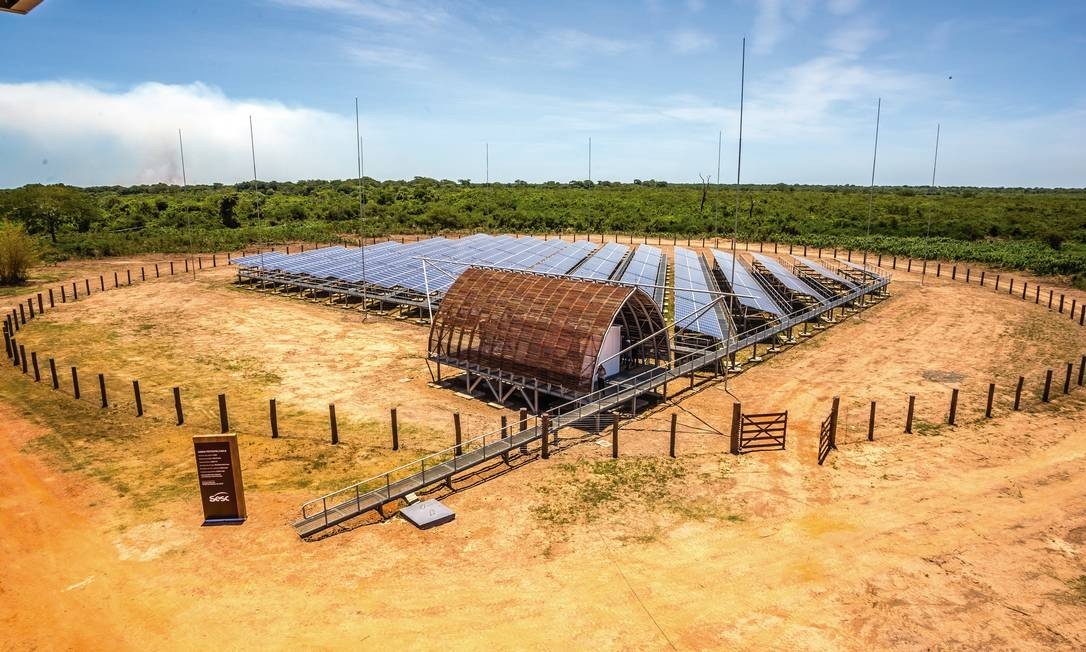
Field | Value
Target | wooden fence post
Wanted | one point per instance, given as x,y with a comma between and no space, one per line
833,421
982,273
1048,385
614,437
101,283
1081,370
396,430
22,358
332,423
37,372
139,399
456,427
871,423
75,382
102,389
224,418
1066,380
909,416
41,306
953,406
56,381
674,423
991,399
177,406
273,418
128,276
116,281
52,302
737,415
545,439
1018,393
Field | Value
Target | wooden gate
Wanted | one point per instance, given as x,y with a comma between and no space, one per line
827,434
763,431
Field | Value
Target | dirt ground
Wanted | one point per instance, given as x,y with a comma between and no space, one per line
970,536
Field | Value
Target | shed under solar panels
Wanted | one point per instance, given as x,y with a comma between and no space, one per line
794,291
752,303
647,269
693,296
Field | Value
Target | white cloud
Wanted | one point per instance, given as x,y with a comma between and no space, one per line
689,41
388,57
92,136
382,11
567,48
853,39
775,19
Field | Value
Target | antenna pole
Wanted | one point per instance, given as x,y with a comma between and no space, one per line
361,204
184,184
252,148
739,162
874,157
590,158
934,163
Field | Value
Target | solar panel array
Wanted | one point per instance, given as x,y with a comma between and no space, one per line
786,277
602,264
858,267
748,291
392,267
692,294
643,270
825,271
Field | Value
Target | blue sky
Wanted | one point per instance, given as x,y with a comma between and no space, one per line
93,93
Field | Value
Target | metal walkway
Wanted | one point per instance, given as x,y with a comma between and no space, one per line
374,493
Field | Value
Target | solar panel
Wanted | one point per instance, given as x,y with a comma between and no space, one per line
746,288
786,277
644,270
256,260
565,258
602,264
825,271
692,294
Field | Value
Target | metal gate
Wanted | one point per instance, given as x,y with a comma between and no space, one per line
763,431
827,434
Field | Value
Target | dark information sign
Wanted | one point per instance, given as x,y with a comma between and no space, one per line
218,468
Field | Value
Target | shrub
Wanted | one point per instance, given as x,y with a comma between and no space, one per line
18,253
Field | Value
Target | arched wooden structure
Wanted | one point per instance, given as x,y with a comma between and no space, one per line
532,332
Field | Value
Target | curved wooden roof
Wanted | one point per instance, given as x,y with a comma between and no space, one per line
547,328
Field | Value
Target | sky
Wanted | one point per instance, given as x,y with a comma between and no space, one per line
94,93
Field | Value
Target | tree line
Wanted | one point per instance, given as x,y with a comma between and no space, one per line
1040,229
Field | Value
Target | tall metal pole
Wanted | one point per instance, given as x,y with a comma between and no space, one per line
934,164
590,158
184,184
488,164
259,217
738,164
361,204
874,157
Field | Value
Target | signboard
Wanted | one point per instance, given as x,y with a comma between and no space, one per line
218,468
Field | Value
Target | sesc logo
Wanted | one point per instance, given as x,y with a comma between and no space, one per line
221,497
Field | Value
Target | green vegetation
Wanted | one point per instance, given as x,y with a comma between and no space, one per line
18,253
1043,230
